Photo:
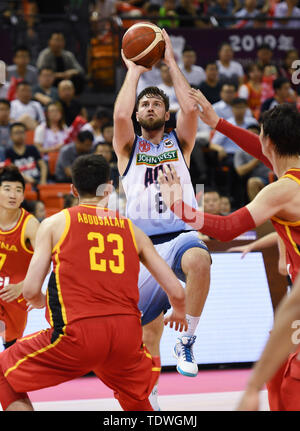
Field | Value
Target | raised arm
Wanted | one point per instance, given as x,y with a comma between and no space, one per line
281,342
246,140
187,119
268,202
165,277
124,106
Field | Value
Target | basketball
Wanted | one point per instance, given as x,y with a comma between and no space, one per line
143,43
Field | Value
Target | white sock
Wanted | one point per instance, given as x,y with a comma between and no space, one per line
192,325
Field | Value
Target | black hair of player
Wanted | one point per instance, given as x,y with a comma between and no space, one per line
154,92
282,125
88,173
11,174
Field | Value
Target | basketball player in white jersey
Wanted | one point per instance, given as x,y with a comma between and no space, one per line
139,160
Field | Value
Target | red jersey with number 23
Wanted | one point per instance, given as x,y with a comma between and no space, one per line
95,267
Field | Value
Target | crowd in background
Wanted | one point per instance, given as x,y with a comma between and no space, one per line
44,126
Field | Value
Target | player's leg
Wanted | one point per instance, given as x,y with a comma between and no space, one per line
129,369
11,400
152,333
191,264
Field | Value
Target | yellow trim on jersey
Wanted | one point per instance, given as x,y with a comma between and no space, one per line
288,232
31,336
156,369
49,309
32,355
23,242
65,232
94,206
7,232
292,177
60,298
286,223
132,234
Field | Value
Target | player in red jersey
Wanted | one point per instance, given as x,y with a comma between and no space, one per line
278,147
92,301
17,237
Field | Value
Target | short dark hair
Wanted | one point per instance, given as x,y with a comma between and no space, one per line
5,102
209,63
282,125
264,46
83,135
154,91
279,82
211,190
19,84
21,48
188,48
11,174
105,125
254,126
224,44
45,68
17,124
229,83
89,172
102,112
239,101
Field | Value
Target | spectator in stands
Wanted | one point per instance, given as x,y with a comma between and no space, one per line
287,9
105,149
252,89
70,201
186,8
264,55
211,87
222,9
50,135
166,11
37,208
24,109
225,205
71,106
26,157
4,125
248,11
63,62
269,76
82,145
101,116
212,202
44,92
21,69
226,149
227,94
283,94
252,170
166,85
229,70
194,74
286,70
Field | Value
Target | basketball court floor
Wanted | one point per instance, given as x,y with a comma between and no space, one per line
213,390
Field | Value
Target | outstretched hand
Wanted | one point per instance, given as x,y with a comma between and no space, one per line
205,110
170,186
176,320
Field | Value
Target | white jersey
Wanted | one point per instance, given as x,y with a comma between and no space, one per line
145,206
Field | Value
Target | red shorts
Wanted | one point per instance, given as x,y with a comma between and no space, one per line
284,387
14,318
110,346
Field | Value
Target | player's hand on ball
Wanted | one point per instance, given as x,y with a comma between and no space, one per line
131,65
170,186
176,320
169,53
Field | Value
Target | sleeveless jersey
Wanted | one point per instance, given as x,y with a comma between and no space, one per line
145,206
290,233
15,255
95,268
